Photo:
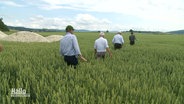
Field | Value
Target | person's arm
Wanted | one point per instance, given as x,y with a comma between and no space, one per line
123,40
95,51
135,38
76,46
77,49
95,46
113,40
108,50
60,49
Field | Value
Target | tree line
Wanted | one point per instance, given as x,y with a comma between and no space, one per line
3,27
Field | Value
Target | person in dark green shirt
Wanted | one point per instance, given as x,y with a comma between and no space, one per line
132,38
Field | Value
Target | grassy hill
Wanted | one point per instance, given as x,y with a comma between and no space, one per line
150,72
177,32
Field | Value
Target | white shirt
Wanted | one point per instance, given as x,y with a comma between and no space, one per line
101,44
118,39
69,45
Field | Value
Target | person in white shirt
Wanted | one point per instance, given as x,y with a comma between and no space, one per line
118,41
69,48
100,46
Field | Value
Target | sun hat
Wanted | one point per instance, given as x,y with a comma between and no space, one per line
68,28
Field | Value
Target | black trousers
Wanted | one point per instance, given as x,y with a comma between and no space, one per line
132,42
117,46
71,60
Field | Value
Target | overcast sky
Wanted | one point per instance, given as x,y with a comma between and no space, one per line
101,15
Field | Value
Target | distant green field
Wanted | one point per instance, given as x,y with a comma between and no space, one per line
150,72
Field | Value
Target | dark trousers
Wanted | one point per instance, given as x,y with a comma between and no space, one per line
132,42
117,46
100,55
71,61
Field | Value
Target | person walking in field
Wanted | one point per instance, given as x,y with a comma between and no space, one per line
69,48
132,38
101,46
118,41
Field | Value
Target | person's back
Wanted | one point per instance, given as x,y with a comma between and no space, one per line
118,41
132,39
67,47
101,44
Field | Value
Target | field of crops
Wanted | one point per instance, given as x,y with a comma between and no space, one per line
150,72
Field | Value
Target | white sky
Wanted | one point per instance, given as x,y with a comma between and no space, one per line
148,15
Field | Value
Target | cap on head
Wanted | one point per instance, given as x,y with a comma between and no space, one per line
69,28
102,34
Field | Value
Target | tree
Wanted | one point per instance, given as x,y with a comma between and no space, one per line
131,30
3,27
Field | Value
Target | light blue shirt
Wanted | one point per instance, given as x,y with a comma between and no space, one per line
69,45
101,44
118,39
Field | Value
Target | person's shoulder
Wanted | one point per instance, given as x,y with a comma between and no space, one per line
97,39
105,39
73,36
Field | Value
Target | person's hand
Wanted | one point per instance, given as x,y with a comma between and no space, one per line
110,55
81,57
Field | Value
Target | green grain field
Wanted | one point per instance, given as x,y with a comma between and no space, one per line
150,72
